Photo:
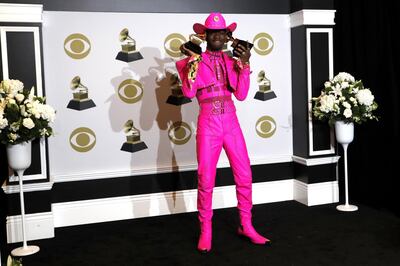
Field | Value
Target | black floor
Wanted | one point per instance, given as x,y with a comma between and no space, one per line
301,235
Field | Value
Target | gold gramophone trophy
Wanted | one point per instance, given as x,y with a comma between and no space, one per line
264,88
194,43
236,42
128,52
133,142
80,100
177,97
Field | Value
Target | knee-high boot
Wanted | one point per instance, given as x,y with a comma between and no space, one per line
205,238
244,196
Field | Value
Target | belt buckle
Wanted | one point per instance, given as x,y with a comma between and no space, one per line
218,107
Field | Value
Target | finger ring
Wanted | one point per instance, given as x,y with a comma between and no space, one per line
243,52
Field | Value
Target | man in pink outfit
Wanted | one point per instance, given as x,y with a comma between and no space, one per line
212,77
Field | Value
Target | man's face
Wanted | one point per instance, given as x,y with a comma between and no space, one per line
216,39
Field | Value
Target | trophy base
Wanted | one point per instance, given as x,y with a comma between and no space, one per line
81,105
193,47
129,57
178,100
133,147
263,96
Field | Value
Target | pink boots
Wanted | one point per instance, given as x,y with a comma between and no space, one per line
204,244
247,230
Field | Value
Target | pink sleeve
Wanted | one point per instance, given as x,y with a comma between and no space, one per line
183,69
243,83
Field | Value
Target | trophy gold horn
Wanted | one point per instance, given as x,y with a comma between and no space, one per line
76,83
129,128
261,76
124,36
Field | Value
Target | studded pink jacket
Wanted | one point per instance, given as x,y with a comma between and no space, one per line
238,77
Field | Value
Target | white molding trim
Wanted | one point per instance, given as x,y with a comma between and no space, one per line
130,207
316,194
67,177
312,17
39,88
315,161
21,13
42,225
38,226
309,92
11,189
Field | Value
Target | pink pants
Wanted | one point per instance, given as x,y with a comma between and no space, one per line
214,132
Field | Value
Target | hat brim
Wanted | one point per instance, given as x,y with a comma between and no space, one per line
200,28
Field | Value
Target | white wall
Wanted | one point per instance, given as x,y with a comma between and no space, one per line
102,74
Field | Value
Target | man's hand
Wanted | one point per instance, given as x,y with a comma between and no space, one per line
186,51
244,53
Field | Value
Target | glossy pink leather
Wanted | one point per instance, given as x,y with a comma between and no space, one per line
218,127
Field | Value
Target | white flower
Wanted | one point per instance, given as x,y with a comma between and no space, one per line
365,97
347,112
327,102
337,90
11,86
20,97
346,105
340,99
43,132
13,136
3,123
28,123
343,76
23,115
31,94
345,85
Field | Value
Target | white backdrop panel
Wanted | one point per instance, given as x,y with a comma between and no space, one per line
102,74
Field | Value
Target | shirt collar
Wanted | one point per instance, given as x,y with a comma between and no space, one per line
214,55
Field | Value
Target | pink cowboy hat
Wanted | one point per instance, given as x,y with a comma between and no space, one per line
215,21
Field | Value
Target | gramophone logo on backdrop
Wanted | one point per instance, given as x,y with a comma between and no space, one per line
265,126
130,91
264,87
82,139
176,97
172,43
133,142
128,52
179,133
263,43
77,46
80,96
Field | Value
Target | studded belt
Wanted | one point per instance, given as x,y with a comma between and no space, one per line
217,105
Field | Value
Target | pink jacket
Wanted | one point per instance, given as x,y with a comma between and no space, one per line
239,79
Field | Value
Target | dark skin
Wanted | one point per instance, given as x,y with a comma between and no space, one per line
215,42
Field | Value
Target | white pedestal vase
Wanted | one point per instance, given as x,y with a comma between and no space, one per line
19,159
345,135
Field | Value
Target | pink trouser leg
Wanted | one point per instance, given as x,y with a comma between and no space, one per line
235,148
209,145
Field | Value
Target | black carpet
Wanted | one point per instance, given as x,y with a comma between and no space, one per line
301,235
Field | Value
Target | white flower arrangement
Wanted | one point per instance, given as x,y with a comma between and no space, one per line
344,99
23,116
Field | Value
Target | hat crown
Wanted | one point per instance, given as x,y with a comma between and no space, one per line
215,21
